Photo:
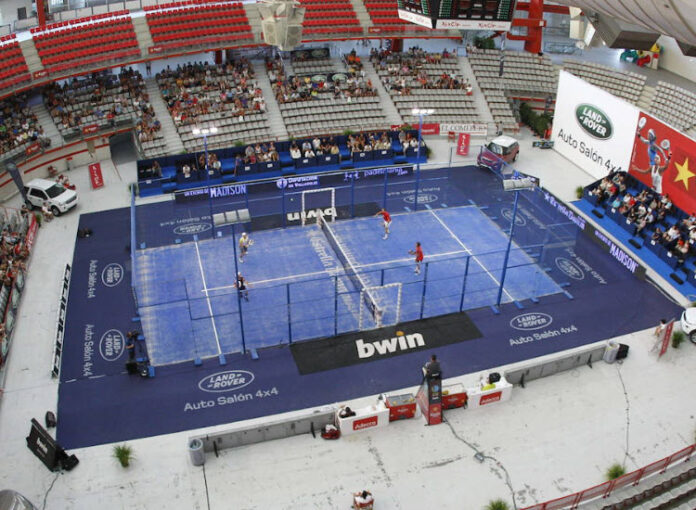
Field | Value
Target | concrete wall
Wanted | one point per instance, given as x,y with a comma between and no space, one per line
673,60
8,10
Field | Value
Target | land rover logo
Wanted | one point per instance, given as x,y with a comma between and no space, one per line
531,321
570,268
229,380
594,121
507,214
111,345
192,228
112,274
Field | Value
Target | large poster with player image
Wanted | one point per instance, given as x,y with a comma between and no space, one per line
665,159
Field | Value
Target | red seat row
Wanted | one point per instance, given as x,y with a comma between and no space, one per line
328,6
383,13
156,32
208,32
7,63
55,45
13,72
94,50
75,21
329,31
87,42
207,40
335,13
329,22
92,60
163,21
390,21
8,37
190,10
184,4
14,81
91,28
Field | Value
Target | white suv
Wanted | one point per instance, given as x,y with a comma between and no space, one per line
59,199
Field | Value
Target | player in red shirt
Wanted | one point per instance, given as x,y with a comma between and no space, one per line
418,252
387,221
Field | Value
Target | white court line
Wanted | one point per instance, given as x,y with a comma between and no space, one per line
207,298
341,270
469,251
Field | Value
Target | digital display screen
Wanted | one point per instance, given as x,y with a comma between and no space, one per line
459,14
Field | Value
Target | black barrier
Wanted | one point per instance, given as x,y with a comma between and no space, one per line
48,450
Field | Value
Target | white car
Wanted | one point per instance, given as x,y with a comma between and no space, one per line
58,198
688,323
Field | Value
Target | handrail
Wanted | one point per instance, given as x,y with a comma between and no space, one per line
605,489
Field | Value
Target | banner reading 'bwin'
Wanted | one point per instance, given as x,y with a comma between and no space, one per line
592,128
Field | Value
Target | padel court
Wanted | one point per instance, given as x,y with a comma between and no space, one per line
316,288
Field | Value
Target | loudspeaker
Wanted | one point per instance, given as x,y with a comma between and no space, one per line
132,367
68,463
623,351
493,377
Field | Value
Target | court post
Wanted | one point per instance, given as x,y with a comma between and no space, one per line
335,305
352,198
384,199
466,275
425,282
287,288
507,250
420,112
239,294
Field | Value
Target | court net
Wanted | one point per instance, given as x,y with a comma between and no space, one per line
375,311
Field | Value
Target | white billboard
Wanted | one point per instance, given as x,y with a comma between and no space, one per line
592,128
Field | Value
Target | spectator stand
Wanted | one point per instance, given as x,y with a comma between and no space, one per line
167,174
20,132
104,39
225,96
663,236
19,230
13,67
187,25
329,19
104,101
526,78
674,105
624,84
321,100
418,79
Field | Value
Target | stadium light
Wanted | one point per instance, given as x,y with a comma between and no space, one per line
420,113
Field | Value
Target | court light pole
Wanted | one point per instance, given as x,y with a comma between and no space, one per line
516,184
420,113
205,132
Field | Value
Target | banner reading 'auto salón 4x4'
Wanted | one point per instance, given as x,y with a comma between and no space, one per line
592,128
665,159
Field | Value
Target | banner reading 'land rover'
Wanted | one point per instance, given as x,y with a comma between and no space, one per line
592,128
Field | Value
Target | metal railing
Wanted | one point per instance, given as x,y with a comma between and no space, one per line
605,489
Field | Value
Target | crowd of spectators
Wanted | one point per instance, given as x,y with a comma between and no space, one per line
305,88
101,98
198,89
316,147
365,143
401,72
260,153
647,211
19,125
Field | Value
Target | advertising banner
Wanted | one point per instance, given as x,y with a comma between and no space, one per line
592,128
665,159
88,130
463,144
95,175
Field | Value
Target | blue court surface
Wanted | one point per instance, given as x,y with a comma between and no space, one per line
567,291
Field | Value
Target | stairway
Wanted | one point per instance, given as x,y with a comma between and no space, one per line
171,136
362,14
392,114
275,119
645,99
46,122
142,33
484,113
31,56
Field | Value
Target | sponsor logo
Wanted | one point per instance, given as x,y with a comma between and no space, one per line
311,214
423,198
229,380
111,345
621,256
594,121
192,228
489,399
531,321
297,182
112,274
570,268
506,213
365,423
389,345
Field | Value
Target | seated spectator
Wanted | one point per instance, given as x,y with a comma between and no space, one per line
346,412
186,169
363,500
295,151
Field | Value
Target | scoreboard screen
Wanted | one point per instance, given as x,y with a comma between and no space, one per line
459,14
